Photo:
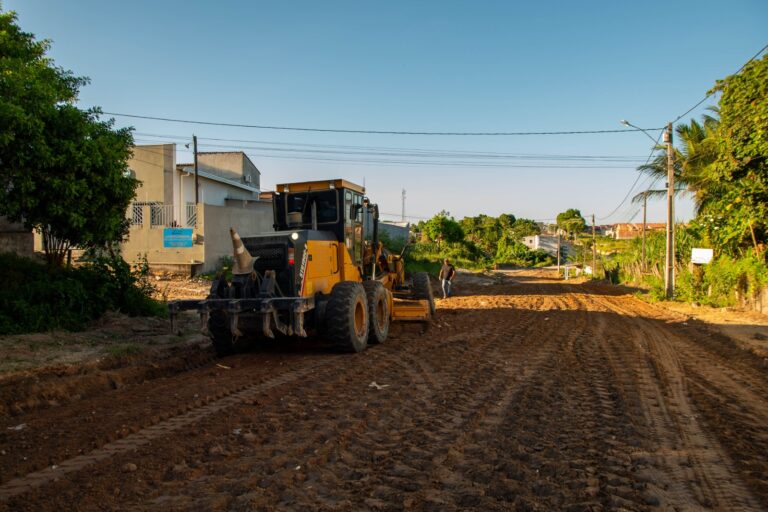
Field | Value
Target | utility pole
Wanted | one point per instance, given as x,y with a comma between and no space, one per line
403,215
645,204
594,248
197,184
669,271
558,251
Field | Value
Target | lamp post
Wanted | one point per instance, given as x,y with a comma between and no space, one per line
669,264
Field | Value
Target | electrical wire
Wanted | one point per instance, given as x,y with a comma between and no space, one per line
653,150
370,132
400,151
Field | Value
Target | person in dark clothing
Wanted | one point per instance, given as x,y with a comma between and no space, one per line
447,273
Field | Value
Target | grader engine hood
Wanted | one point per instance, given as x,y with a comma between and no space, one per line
289,254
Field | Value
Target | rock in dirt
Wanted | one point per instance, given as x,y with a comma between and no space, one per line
129,467
216,450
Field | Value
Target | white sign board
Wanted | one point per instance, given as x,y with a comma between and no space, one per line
701,256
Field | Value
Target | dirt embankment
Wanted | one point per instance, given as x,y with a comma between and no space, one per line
527,393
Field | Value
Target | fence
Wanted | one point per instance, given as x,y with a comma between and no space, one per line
161,215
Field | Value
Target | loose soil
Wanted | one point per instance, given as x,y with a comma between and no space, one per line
526,393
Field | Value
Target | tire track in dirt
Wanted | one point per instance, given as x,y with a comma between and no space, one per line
354,455
559,441
145,435
224,399
535,396
688,463
729,389
36,479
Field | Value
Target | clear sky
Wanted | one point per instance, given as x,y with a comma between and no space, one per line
440,66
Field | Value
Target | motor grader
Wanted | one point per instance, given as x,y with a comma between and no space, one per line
319,273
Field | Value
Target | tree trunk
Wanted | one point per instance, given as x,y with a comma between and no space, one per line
55,249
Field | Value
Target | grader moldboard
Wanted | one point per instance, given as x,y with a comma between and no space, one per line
316,274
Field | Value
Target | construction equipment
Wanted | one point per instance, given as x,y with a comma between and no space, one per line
320,273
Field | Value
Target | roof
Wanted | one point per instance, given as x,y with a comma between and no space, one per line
304,186
216,177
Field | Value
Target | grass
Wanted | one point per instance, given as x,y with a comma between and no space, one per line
125,349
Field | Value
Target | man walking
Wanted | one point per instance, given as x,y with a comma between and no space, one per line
447,273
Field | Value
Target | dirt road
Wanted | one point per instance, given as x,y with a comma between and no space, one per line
528,393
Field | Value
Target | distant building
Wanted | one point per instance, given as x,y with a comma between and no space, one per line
547,243
627,231
173,230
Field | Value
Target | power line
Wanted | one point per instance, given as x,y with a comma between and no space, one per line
653,150
370,132
417,151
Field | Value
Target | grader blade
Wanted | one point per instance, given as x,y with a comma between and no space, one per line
411,311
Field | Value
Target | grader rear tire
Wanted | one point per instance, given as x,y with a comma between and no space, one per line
378,311
422,289
346,317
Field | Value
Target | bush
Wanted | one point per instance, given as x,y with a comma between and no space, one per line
39,298
428,257
723,282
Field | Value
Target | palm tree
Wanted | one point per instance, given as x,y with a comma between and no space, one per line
693,161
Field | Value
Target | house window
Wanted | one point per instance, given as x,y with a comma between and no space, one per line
137,217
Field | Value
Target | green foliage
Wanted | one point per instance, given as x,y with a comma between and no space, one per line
722,282
513,252
484,241
63,171
125,349
39,298
224,265
522,228
428,257
571,222
442,228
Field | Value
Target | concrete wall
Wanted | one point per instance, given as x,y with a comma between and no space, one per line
16,239
250,219
154,167
231,165
211,236
147,240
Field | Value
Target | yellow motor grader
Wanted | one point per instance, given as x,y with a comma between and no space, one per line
319,273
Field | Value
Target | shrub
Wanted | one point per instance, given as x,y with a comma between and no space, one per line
36,297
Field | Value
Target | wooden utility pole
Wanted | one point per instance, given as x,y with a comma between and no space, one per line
669,271
594,247
645,204
558,251
197,184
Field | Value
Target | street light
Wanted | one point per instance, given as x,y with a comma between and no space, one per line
669,271
627,123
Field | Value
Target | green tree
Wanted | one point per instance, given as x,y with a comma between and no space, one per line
62,171
571,221
739,178
443,228
522,228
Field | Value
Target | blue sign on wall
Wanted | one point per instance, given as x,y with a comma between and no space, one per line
177,237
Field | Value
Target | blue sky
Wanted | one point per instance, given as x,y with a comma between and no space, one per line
413,66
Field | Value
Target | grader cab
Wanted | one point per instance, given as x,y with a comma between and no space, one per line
319,273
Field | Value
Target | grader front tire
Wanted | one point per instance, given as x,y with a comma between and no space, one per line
346,317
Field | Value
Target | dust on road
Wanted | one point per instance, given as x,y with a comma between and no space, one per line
528,393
